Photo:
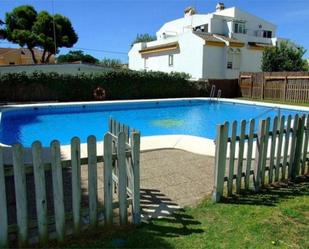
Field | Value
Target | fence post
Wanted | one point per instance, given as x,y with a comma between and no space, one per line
241,144
20,194
263,82
58,189
40,191
285,87
265,149
92,180
249,153
305,149
108,180
220,161
281,122
136,177
3,206
76,182
122,178
272,149
259,155
298,147
232,159
293,145
251,83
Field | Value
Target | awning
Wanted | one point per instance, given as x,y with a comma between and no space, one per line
160,48
259,46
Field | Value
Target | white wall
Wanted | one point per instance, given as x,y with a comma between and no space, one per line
213,66
251,60
136,62
183,25
188,59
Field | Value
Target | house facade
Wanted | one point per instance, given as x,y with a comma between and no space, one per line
207,46
20,56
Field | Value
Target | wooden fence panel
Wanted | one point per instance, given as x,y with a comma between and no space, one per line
293,145
298,147
58,190
232,158
305,149
284,86
259,155
40,191
279,148
249,153
92,182
272,150
221,147
127,155
135,137
20,194
240,155
76,183
3,207
108,179
122,192
288,148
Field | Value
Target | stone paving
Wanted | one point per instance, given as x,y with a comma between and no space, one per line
173,178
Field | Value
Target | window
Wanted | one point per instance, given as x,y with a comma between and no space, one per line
267,34
201,28
12,63
236,59
233,58
170,60
239,27
264,33
229,58
145,63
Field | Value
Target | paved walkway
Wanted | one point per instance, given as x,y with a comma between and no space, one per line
173,178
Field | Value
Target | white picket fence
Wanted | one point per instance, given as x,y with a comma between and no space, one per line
121,187
248,160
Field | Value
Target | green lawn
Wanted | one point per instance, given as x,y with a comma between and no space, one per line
276,218
276,102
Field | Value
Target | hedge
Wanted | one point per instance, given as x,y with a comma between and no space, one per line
39,86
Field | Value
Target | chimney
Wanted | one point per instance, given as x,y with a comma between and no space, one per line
220,6
189,11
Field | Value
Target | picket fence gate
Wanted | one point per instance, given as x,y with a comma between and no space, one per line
281,149
121,169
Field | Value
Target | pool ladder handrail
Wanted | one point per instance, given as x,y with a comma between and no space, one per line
213,92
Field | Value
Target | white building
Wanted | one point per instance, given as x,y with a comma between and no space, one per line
207,46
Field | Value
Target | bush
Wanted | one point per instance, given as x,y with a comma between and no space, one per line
125,84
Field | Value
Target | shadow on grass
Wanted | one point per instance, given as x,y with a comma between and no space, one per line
164,217
272,194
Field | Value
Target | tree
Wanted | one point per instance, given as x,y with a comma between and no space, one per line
2,33
113,63
284,57
77,56
19,27
144,38
26,27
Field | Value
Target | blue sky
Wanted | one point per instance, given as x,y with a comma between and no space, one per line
107,28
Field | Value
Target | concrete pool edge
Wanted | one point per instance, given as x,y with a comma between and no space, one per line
111,102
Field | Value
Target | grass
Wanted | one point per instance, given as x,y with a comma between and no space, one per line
276,102
276,218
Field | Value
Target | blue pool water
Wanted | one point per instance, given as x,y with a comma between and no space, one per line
194,117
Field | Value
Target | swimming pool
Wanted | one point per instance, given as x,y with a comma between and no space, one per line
197,117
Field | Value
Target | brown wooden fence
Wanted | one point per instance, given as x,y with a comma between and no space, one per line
283,86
